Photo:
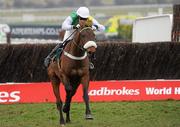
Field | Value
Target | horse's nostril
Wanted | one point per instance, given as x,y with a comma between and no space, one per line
89,52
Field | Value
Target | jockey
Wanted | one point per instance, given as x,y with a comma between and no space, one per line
73,22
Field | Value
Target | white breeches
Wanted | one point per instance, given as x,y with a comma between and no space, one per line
67,34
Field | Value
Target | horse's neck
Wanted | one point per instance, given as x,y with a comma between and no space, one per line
74,49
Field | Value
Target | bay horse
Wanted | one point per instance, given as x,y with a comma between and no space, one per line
72,69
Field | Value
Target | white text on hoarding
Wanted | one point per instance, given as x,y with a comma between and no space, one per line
9,96
158,91
177,90
104,91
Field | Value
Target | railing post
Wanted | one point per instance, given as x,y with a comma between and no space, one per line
175,37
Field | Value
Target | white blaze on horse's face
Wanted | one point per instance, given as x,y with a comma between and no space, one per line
90,45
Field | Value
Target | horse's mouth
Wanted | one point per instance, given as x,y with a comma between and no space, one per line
91,49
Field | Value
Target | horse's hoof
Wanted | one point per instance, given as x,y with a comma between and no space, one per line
62,125
68,121
89,117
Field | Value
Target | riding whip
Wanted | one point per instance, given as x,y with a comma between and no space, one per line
63,43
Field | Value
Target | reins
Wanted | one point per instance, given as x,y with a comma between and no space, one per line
78,46
85,29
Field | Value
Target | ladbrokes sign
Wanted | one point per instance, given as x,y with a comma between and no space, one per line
104,91
10,97
132,90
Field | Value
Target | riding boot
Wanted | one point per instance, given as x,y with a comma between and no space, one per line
92,58
48,59
91,66
51,55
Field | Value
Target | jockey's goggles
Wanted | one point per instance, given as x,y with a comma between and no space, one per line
82,18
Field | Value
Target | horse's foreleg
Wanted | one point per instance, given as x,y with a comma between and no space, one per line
66,108
68,89
66,82
55,85
85,84
86,100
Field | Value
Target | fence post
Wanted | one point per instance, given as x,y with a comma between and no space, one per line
175,37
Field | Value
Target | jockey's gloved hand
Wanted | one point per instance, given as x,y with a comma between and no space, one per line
76,27
95,27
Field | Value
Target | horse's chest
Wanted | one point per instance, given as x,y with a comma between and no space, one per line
78,72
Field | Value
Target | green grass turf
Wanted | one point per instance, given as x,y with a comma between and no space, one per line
114,114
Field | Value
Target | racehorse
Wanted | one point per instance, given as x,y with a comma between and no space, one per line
72,69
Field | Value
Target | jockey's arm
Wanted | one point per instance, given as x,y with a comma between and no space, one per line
67,24
100,27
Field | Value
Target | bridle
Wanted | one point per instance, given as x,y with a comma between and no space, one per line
83,48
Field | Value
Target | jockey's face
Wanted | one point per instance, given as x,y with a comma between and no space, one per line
82,21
